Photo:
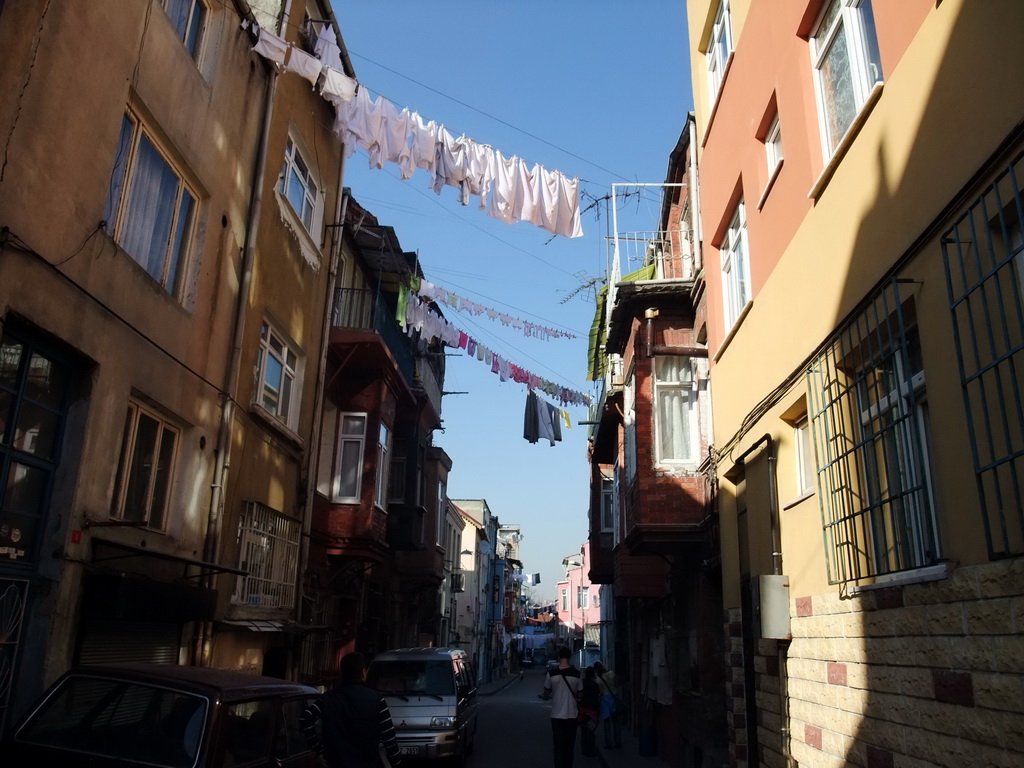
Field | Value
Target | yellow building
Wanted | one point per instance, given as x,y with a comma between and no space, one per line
861,218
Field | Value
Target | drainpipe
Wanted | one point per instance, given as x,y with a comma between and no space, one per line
201,642
773,498
694,183
649,315
782,647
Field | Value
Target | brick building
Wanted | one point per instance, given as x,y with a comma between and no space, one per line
653,529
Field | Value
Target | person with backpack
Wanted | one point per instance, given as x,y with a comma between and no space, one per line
562,686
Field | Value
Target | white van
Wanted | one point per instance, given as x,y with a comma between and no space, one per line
432,695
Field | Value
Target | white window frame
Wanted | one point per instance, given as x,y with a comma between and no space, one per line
304,195
158,485
383,465
126,212
582,598
873,404
349,437
850,24
720,48
607,505
773,146
804,456
686,389
565,599
281,400
735,267
442,512
190,26
268,550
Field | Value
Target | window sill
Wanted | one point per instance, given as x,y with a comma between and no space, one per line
844,144
919,576
718,98
802,497
734,330
310,250
770,184
268,419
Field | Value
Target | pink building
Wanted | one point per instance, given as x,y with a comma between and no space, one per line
579,602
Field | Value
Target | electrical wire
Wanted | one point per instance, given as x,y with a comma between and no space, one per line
299,28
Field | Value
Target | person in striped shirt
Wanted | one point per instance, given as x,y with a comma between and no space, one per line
354,721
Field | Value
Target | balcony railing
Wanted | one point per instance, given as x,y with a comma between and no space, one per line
366,310
668,251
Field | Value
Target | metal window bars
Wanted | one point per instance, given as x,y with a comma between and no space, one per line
268,550
869,431
983,253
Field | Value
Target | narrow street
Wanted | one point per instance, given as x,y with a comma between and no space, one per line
514,729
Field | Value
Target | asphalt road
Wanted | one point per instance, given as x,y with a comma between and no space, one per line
515,730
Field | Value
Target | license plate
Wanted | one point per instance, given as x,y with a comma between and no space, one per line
409,750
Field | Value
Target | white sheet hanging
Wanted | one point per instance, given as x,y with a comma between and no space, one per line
304,65
270,46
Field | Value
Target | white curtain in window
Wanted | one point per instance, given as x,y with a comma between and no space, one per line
675,405
150,211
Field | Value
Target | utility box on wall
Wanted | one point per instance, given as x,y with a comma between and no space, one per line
772,605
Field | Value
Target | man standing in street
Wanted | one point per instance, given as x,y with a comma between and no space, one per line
609,706
562,686
354,722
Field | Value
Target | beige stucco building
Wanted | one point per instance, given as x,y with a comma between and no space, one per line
166,261
861,219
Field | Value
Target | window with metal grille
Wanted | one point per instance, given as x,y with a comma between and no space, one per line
268,550
869,426
983,252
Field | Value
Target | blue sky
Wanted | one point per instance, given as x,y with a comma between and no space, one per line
597,89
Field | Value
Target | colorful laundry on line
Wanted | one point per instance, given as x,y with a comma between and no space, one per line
420,317
436,293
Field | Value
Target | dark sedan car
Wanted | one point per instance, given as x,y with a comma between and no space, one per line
164,716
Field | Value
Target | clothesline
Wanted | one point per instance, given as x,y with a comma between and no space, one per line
436,293
507,187
419,317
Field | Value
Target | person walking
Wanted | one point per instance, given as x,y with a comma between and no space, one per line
609,706
354,722
562,686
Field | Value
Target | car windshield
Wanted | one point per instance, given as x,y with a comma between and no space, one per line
119,719
411,676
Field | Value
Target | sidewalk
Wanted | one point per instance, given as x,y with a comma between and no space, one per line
628,756
491,688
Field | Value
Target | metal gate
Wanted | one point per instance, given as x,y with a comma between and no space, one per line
13,593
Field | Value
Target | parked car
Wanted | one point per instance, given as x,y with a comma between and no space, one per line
123,715
432,695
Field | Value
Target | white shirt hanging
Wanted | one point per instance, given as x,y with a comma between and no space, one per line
337,86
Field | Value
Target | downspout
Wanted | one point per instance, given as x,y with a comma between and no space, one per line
201,649
649,315
698,263
773,498
782,648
